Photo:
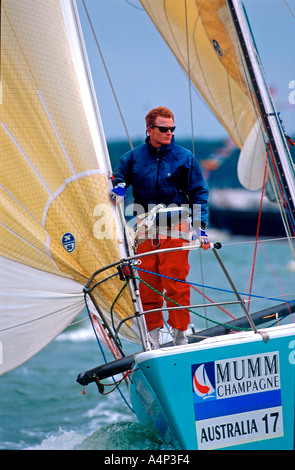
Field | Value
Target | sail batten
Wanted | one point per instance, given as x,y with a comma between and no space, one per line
26,158
57,133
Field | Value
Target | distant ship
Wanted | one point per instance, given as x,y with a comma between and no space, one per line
237,211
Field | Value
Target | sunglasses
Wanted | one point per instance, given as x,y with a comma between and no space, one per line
165,129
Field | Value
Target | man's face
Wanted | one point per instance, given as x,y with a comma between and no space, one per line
157,137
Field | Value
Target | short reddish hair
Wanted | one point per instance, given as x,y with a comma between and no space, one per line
155,112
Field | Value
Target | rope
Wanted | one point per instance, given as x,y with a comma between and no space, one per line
217,288
277,281
257,232
260,241
289,8
210,300
189,78
112,307
116,384
190,310
100,282
77,322
108,75
104,356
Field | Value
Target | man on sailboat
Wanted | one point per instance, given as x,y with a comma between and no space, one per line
168,184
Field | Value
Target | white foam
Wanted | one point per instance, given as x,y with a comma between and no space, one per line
65,440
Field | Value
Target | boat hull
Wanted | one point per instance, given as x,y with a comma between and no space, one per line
235,391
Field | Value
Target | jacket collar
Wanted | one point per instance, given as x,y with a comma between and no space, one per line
163,149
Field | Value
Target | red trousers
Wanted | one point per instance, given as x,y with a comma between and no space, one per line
174,265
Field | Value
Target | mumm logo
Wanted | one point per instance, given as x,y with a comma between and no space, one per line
247,368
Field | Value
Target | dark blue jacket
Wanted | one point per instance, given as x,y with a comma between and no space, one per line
168,175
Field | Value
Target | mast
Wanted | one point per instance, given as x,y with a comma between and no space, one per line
280,159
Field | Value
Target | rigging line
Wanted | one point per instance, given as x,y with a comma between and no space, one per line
102,351
240,82
134,6
257,232
102,332
264,103
247,78
108,75
212,301
284,295
284,207
112,310
94,329
189,309
203,289
260,241
189,77
289,8
100,282
280,186
116,383
258,297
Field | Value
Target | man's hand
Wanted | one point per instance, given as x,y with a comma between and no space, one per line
118,192
203,237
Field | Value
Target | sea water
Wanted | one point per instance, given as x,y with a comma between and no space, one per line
42,407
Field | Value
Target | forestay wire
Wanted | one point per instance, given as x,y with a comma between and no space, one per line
108,75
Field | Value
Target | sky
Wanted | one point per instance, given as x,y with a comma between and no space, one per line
145,74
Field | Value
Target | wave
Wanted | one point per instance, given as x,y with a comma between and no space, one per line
65,440
81,334
115,436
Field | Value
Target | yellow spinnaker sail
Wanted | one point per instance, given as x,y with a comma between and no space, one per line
57,225
201,36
